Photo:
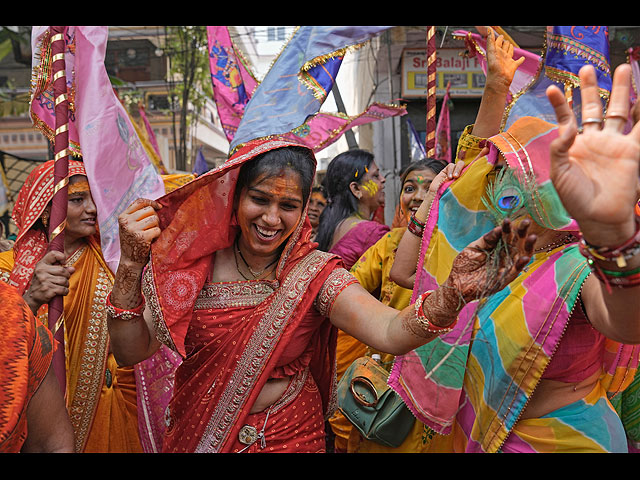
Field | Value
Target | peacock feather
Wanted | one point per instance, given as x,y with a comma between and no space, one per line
507,194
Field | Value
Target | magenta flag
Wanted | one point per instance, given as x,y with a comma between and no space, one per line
323,129
443,131
100,129
477,46
233,81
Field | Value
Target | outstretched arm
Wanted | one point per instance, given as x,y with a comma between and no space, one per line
132,334
596,176
472,277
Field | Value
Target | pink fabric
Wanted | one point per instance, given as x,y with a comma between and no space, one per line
443,130
117,165
580,352
358,240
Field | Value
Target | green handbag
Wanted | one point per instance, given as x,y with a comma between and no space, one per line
375,410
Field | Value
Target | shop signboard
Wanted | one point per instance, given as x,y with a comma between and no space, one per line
465,74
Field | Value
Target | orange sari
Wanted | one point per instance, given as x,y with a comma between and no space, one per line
26,350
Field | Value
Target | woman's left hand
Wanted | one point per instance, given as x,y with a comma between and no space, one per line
596,172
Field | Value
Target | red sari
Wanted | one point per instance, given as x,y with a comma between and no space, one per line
235,336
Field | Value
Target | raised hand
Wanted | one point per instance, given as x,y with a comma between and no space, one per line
501,67
50,279
138,228
596,172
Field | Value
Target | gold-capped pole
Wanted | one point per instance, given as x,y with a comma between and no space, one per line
58,218
430,142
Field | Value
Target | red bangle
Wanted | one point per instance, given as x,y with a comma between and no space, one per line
415,226
123,314
619,254
424,322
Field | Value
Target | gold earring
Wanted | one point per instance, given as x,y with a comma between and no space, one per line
45,218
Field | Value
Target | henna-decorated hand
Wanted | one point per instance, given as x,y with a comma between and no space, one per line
50,279
139,226
490,263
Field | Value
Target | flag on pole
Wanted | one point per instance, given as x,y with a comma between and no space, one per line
200,166
443,130
117,165
568,49
323,129
232,78
299,80
100,129
416,145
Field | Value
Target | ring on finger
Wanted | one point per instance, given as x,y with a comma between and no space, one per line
591,120
618,116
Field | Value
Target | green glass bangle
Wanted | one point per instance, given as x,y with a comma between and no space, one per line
629,273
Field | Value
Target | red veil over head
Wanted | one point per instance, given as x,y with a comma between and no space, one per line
34,196
197,220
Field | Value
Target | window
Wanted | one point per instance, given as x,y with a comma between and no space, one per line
275,34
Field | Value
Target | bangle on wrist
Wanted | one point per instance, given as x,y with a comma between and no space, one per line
415,226
619,255
424,323
124,315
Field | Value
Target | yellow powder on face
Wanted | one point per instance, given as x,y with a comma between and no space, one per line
370,187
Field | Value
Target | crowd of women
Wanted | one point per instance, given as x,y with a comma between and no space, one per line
242,298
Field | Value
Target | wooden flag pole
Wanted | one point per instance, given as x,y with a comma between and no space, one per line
430,142
58,218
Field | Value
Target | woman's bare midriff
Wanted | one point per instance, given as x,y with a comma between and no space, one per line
270,394
551,395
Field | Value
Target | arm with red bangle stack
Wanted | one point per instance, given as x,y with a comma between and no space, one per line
130,325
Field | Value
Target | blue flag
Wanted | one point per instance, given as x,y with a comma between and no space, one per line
568,49
200,166
299,80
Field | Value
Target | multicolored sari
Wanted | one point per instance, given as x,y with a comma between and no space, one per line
235,336
475,382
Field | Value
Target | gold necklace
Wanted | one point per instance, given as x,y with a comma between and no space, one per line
256,275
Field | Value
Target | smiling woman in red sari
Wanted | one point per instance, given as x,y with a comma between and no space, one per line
233,283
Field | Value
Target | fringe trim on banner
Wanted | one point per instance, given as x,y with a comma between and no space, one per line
41,78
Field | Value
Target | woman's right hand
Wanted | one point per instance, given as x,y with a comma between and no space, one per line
501,67
139,227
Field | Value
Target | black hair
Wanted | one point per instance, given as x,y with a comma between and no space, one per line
435,166
319,189
347,167
275,162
